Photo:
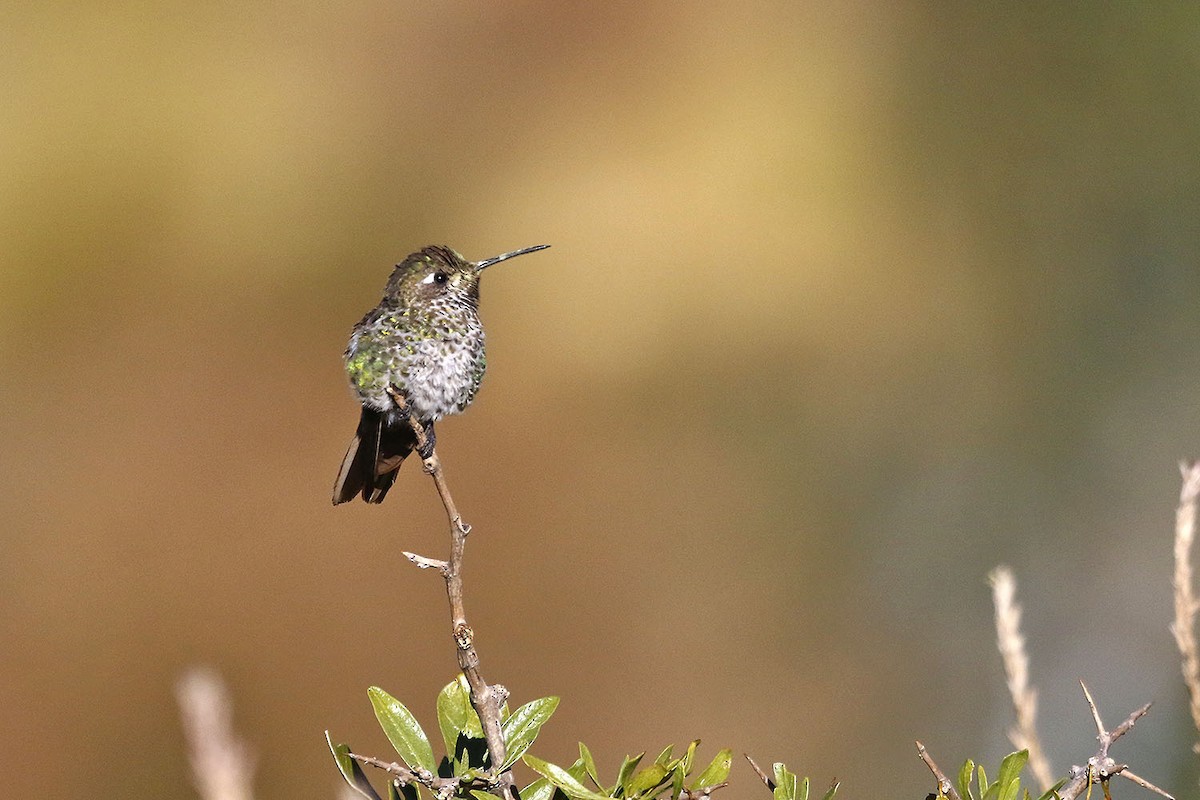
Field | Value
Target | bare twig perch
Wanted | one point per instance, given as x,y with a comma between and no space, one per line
1016,667
945,785
222,767
486,699
1184,626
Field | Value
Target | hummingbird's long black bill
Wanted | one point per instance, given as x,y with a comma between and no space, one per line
487,262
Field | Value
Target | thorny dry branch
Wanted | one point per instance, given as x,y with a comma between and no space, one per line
1186,605
1099,769
486,699
441,787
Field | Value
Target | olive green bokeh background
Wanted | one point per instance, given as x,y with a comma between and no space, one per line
847,303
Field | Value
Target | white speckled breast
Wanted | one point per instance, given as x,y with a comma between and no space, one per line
444,376
437,359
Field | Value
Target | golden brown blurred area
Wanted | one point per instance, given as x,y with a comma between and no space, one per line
846,304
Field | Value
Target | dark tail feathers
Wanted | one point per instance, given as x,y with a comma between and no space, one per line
373,458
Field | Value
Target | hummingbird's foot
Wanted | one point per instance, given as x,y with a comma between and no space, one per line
401,411
426,452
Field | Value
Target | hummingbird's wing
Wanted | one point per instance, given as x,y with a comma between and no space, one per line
351,475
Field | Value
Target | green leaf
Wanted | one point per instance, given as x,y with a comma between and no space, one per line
1009,778
627,767
351,770
589,766
832,791
677,776
785,783
1052,792
578,770
665,755
985,788
717,770
690,756
478,795
651,777
803,793
562,779
521,728
403,730
456,715
541,789
964,780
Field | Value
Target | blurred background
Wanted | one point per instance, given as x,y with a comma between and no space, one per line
847,304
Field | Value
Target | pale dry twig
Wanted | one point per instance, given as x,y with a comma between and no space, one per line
1016,668
222,766
1184,626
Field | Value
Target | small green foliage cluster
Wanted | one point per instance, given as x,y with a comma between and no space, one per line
666,777
466,772
1007,785
465,767
787,787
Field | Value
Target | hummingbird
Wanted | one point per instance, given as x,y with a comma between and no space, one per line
425,340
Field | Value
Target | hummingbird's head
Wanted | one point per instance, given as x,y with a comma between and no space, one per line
438,273
431,274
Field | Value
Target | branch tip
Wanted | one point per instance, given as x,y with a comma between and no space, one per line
944,784
764,777
424,562
1092,705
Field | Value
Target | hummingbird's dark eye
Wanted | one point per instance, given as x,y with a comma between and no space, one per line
440,277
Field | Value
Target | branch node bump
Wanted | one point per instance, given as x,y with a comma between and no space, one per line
464,636
423,562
